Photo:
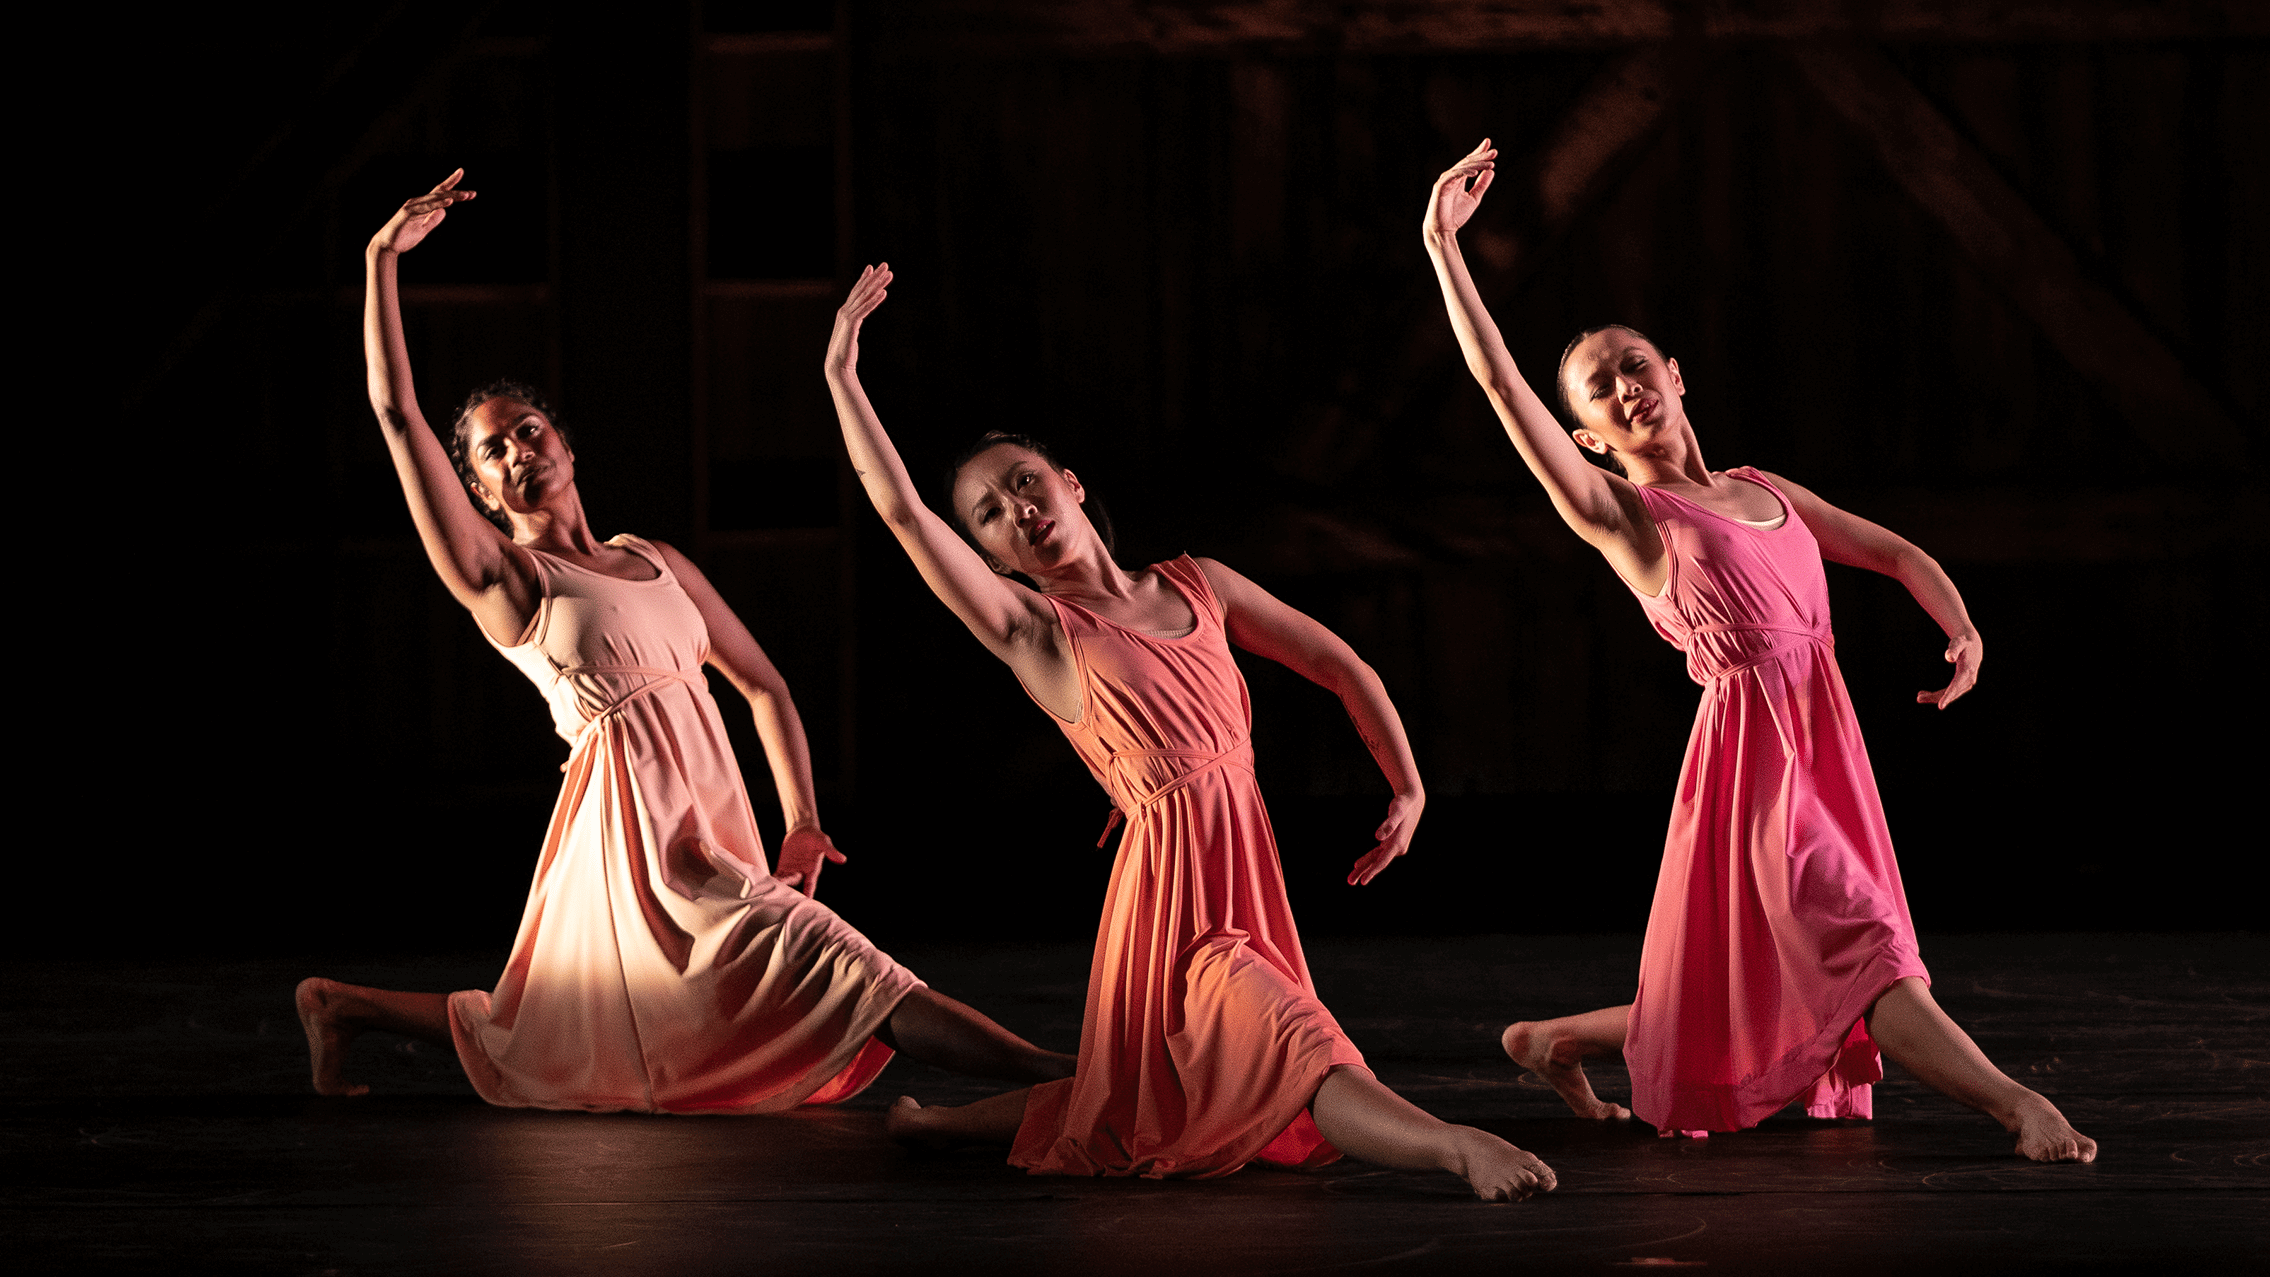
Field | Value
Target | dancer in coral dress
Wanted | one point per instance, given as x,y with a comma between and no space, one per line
1779,955
1204,1046
660,965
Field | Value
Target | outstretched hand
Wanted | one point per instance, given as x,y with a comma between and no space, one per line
1964,653
803,853
1458,192
1394,835
416,218
843,344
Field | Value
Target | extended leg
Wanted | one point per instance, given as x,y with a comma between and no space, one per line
1910,1028
935,1029
1555,1050
988,1121
333,1014
1366,1120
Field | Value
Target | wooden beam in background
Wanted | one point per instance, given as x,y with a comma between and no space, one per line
929,28
2011,246
424,44
1589,150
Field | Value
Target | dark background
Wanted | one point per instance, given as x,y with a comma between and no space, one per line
2011,305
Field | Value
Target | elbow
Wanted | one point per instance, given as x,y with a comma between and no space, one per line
1909,564
902,516
1352,679
765,696
390,416
1503,390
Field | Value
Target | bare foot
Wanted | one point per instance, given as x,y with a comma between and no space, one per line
1557,1061
327,1037
917,1127
1496,1170
2045,1136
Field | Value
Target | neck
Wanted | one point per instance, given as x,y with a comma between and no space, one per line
558,527
1673,458
1086,574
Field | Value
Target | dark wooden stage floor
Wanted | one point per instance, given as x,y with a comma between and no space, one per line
157,1119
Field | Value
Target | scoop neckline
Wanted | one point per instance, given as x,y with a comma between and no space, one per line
1788,511
1197,621
621,541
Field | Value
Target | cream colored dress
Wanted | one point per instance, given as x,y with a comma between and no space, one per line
660,967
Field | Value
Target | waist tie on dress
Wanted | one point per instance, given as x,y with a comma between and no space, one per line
656,679
1209,762
1822,636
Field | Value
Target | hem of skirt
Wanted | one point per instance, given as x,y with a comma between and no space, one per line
859,1052
1738,1106
1053,1152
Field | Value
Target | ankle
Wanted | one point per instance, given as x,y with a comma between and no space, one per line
2013,1110
1461,1149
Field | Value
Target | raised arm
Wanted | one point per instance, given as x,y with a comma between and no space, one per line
1849,539
1005,616
1264,625
804,850
1602,508
479,564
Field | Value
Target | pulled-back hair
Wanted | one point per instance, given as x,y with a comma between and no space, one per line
461,432
1561,381
1098,516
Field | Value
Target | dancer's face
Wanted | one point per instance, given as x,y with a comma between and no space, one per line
1023,512
519,460
1626,394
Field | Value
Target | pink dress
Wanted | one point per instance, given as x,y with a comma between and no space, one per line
660,966
1203,1040
1778,918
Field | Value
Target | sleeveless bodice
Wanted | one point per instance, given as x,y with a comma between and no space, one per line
1158,711
599,642
1735,595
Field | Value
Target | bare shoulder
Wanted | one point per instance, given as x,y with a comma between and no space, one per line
690,576
1783,482
1248,610
679,563
1231,587
1809,504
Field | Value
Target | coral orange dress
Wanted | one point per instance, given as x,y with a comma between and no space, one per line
1203,1040
660,966
1778,918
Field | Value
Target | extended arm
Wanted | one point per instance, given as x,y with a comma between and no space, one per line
804,850
1598,506
1004,615
1264,625
481,568
1849,539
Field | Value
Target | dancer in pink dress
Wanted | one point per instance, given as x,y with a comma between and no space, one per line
660,965
1779,955
1203,1046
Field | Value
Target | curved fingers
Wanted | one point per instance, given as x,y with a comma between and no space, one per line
1965,654
803,853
